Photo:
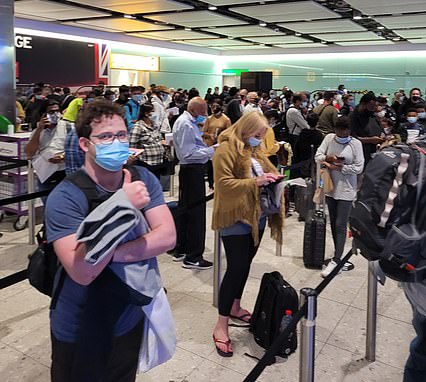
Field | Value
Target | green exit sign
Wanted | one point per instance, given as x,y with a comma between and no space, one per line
234,72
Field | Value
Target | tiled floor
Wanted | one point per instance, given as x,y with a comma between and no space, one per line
340,336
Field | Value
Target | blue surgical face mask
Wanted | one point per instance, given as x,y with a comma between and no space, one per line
412,119
112,157
164,97
343,140
253,142
200,119
137,98
351,103
304,104
422,115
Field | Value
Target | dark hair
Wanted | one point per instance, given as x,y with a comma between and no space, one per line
145,108
193,92
368,97
52,102
66,90
415,89
123,89
411,110
328,95
343,123
340,87
94,112
135,89
271,114
296,97
312,119
234,90
346,97
218,101
420,106
108,93
57,89
37,90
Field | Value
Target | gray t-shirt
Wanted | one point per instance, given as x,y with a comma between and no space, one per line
345,181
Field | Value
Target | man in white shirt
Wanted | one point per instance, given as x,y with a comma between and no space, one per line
294,119
253,103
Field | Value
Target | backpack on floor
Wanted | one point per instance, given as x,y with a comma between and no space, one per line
388,221
274,298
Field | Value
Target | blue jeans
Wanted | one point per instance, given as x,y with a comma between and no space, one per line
415,368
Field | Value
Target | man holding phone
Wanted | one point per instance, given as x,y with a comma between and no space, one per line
48,160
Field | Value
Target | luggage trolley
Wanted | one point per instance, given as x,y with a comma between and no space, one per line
14,182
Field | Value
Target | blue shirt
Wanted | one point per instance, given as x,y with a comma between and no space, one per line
132,113
66,208
74,155
187,141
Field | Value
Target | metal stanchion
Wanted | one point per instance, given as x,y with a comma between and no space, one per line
307,335
370,345
30,204
278,249
172,177
217,268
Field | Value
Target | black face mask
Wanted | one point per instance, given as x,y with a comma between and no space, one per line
217,110
415,98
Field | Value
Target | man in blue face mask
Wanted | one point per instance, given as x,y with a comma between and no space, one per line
193,155
102,136
133,105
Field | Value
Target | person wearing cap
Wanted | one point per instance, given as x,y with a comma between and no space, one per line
193,154
161,100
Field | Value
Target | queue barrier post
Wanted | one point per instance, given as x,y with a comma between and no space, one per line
172,176
30,204
307,335
217,268
370,345
278,249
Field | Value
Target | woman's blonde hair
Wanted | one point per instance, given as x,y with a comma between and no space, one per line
245,127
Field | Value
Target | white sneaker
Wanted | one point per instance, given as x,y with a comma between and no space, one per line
329,268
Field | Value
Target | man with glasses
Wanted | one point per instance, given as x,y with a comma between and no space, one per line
104,139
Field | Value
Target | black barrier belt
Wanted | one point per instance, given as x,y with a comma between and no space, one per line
23,198
296,165
277,344
13,279
15,163
179,211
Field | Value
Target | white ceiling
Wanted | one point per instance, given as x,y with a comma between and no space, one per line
290,24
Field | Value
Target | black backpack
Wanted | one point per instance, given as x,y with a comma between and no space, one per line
43,263
387,221
274,298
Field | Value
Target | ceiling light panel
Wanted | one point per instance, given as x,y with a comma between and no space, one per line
348,36
172,35
362,43
406,21
296,11
411,33
242,47
197,19
137,6
32,17
219,3
98,28
380,7
325,26
122,24
55,11
418,41
244,31
278,39
215,42
308,45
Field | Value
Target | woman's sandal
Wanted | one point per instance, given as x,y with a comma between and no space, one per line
242,318
227,353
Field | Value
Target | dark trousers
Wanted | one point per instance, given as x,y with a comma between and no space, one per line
191,226
50,183
240,251
210,174
121,366
339,211
415,368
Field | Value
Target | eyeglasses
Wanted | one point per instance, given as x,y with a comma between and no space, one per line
108,138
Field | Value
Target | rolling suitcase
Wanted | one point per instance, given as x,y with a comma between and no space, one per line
314,235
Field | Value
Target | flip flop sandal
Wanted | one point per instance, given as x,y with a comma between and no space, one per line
241,318
227,353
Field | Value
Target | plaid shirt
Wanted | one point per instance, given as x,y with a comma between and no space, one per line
145,137
74,155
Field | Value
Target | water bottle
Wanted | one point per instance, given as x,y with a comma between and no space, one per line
286,350
286,319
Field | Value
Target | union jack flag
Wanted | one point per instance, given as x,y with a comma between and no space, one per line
102,57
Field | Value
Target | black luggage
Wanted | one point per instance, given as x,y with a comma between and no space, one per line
275,297
314,235
303,199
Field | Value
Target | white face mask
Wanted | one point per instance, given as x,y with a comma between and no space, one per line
381,114
422,115
412,119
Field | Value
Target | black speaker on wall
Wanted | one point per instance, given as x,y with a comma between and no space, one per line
254,81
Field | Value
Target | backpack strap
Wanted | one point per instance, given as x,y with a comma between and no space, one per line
393,192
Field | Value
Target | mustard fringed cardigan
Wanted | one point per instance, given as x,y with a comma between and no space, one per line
236,196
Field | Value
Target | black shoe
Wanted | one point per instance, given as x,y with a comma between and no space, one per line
200,264
173,251
178,257
348,266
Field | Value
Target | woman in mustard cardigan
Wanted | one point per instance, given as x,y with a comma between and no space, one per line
240,169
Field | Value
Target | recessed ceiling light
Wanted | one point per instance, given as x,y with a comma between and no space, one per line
230,37
187,29
262,44
131,17
262,24
323,42
212,8
298,34
357,17
380,27
276,29
396,38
